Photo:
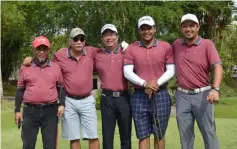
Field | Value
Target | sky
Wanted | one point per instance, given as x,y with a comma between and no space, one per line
235,3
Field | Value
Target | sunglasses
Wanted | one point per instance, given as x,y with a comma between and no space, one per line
81,38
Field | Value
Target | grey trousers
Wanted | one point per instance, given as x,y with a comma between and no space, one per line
191,107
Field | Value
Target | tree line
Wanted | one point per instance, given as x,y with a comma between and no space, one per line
22,21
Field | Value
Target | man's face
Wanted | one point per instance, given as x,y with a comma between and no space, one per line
78,42
147,32
41,53
109,38
190,29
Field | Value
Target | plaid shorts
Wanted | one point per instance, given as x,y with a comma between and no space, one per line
148,112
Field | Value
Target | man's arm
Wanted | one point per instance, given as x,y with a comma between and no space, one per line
131,76
215,62
61,94
218,73
19,98
169,73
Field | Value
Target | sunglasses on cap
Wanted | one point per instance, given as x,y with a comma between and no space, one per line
81,38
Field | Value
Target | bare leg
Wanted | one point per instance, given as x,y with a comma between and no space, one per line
94,144
75,144
159,144
144,143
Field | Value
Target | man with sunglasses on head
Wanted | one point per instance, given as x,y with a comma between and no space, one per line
149,64
37,88
115,99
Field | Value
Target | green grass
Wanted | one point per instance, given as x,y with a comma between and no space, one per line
226,129
227,108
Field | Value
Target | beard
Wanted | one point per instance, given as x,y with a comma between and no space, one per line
41,60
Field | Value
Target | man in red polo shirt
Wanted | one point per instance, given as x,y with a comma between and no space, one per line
115,99
76,63
149,64
195,57
36,87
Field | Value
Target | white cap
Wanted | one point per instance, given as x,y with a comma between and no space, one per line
110,27
146,20
190,17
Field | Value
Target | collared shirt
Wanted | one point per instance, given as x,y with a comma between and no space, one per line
194,62
40,82
109,66
149,63
77,73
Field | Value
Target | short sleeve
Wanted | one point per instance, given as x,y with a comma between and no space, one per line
60,76
95,51
213,56
128,58
21,79
169,56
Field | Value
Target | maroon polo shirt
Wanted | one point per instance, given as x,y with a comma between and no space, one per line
149,63
77,73
109,66
194,62
40,82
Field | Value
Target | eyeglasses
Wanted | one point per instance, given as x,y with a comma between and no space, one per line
81,38
42,48
145,27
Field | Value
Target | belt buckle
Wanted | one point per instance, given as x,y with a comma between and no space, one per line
116,94
191,91
41,105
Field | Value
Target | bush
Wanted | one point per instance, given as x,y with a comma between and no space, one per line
97,98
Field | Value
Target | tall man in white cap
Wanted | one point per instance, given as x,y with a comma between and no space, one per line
195,57
149,64
115,99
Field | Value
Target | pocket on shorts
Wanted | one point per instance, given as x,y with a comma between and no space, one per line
176,94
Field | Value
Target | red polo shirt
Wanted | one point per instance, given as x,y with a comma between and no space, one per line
109,66
194,62
149,63
40,82
77,74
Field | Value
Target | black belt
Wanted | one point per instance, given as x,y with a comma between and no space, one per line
78,97
114,93
41,105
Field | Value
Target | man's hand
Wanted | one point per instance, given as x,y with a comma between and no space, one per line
148,92
60,111
18,117
152,85
213,96
124,45
27,61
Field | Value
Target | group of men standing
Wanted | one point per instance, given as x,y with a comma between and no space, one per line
148,63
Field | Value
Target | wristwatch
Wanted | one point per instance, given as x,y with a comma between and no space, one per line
216,89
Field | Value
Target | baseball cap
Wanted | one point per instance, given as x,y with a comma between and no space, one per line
146,20
75,32
190,17
41,40
109,27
